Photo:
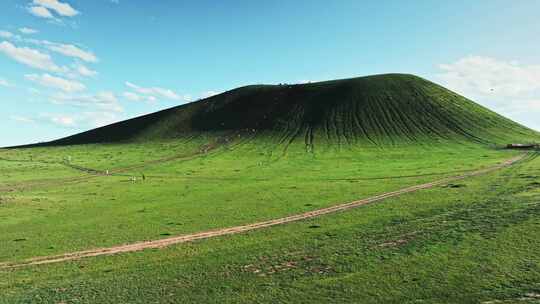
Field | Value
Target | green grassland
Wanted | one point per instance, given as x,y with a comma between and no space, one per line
219,189
472,242
264,152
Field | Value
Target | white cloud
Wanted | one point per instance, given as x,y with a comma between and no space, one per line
507,87
30,57
36,41
40,11
209,94
22,119
10,36
34,91
6,34
91,119
92,110
132,96
84,71
155,91
103,101
27,30
486,76
165,93
61,8
71,51
56,82
62,120
99,119
136,97
108,101
5,83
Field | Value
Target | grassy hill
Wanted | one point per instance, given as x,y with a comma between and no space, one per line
373,110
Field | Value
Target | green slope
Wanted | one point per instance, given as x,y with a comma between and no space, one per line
377,110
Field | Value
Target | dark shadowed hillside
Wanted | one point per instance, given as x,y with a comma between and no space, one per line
381,109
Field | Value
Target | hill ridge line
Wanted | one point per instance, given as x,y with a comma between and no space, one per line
161,243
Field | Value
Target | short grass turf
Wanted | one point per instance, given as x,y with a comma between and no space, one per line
230,186
473,241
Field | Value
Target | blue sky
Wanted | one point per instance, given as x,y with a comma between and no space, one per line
71,65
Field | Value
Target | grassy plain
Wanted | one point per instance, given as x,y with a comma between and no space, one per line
445,244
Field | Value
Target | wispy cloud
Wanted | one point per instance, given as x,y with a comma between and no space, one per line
71,50
22,119
132,96
84,71
103,101
66,49
209,94
30,57
40,11
44,8
10,36
84,120
6,34
505,86
59,119
136,97
35,58
56,82
91,111
33,91
155,92
28,31
484,76
5,83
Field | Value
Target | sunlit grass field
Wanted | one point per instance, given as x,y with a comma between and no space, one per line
68,209
444,244
266,152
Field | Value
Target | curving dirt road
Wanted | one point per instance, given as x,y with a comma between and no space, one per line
239,229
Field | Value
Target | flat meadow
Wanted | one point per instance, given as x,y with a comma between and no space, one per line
425,245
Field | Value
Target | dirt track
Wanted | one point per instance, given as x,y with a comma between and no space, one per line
239,229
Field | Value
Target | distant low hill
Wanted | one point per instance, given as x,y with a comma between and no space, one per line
372,110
